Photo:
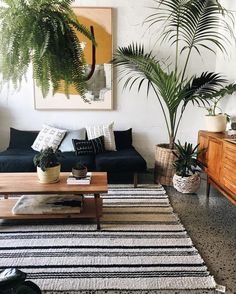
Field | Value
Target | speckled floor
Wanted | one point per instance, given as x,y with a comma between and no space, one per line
211,223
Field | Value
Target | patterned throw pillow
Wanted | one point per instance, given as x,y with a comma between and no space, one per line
48,137
98,145
87,147
103,130
83,147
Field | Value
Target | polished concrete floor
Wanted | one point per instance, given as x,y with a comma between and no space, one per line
211,224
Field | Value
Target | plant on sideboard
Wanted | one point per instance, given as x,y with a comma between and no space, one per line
43,32
186,178
48,165
188,25
216,120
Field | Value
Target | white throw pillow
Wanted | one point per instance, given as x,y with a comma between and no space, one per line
48,137
67,145
103,130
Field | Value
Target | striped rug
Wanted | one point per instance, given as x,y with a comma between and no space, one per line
142,248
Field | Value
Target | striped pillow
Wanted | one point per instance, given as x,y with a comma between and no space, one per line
103,130
87,147
98,145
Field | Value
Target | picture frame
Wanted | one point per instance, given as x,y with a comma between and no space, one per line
99,87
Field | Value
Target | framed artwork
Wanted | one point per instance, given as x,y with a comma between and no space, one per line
99,86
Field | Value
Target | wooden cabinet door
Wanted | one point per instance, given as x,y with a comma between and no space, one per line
214,158
228,169
203,145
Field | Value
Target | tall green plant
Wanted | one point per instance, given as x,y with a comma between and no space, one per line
188,25
44,32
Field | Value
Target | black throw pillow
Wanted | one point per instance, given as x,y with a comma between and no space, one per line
98,145
86,147
83,147
21,139
123,139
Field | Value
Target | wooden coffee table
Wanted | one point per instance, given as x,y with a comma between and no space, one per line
27,183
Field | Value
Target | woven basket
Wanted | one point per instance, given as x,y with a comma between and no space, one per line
50,175
187,184
164,169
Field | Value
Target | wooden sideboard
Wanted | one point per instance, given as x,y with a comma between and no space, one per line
219,160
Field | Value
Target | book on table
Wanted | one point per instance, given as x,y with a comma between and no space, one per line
71,180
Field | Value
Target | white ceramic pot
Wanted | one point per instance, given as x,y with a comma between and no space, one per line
187,184
216,123
50,175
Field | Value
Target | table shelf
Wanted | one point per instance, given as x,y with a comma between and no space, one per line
88,211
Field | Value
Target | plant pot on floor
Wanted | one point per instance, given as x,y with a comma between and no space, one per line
216,123
164,169
188,184
50,175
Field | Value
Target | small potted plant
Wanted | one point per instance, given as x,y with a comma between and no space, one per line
48,166
216,120
186,178
79,170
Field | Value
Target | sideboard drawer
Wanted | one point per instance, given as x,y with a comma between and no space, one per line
230,185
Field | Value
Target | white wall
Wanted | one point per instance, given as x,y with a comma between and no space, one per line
131,109
227,66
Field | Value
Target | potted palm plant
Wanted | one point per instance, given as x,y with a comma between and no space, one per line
43,32
188,26
48,166
186,178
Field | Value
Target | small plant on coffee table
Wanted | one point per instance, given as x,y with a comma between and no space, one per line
48,165
46,158
79,170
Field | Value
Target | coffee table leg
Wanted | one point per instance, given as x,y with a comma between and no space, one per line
96,197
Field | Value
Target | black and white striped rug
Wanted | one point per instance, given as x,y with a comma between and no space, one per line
142,248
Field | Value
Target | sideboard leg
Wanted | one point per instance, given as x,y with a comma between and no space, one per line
5,196
135,180
208,188
96,197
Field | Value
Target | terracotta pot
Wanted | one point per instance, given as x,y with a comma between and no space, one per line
164,169
187,184
50,175
216,123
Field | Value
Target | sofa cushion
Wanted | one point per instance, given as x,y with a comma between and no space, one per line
128,160
17,160
67,145
103,130
69,160
123,139
21,139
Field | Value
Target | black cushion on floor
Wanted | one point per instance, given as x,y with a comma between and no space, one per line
128,160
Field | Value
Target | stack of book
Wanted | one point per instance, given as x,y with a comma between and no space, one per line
71,180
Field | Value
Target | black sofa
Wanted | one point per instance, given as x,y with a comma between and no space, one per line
120,165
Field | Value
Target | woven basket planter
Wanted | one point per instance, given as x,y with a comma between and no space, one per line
50,175
187,184
164,169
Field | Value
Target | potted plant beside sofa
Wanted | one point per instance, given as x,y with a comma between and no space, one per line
48,166
181,25
186,178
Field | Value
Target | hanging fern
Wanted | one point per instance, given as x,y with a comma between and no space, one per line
42,32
